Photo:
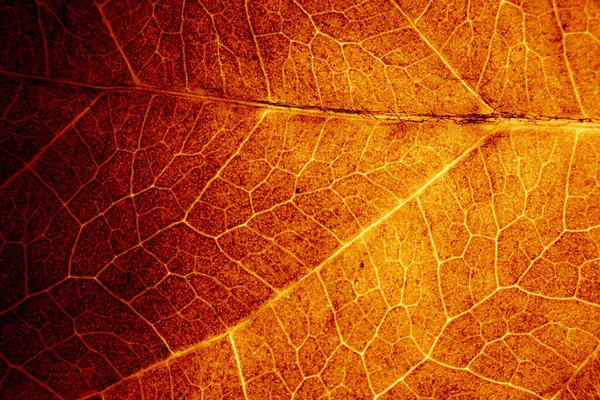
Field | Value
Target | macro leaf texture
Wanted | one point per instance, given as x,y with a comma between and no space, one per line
300,199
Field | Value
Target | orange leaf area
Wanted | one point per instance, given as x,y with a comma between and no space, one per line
300,199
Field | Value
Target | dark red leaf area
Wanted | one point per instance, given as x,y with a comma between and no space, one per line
17,385
61,39
78,337
32,113
105,200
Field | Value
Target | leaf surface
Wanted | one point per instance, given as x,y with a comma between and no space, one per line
299,199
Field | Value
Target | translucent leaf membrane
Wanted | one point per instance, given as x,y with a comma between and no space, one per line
482,283
299,199
536,57
153,223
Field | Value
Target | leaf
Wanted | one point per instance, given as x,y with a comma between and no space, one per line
299,200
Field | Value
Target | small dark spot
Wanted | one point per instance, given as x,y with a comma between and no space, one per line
361,265
564,25
180,394
297,190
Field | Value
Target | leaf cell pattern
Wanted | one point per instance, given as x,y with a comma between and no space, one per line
300,199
